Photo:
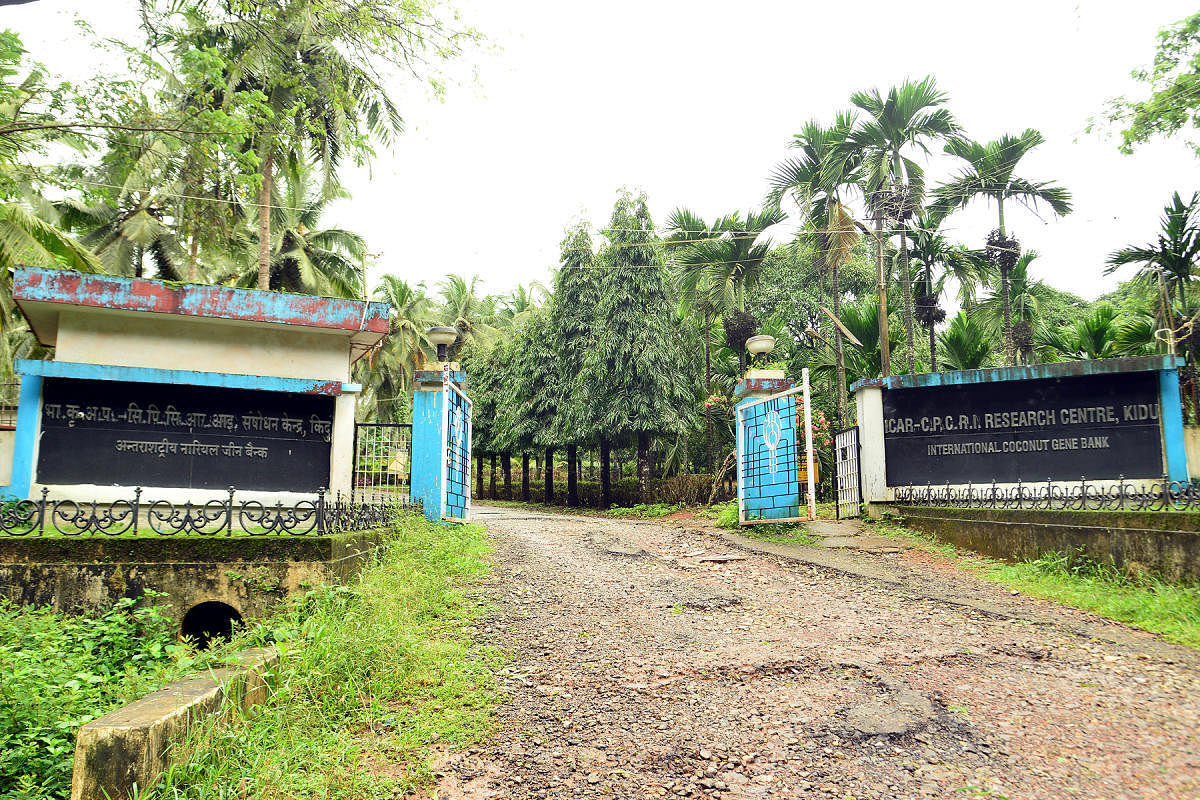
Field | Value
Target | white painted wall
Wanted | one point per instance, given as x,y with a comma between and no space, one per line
137,339
161,341
341,452
872,468
8,438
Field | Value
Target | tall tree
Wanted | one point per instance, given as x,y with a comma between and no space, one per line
910,116
575,330
939,260
989,174
685,227
1019,308
815,179
387,372
1173,104
317,66
637,378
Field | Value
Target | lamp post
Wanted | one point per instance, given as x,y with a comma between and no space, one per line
442,336
760,345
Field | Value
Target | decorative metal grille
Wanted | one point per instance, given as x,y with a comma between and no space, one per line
768,464
456,465
382,462
1162,494
848,480
319,516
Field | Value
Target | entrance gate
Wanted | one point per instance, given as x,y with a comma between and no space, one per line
774,456
848,482
456,453
382,462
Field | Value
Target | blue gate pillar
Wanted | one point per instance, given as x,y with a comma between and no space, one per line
427,442
768,444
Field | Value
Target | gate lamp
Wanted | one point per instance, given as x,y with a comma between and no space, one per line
442,336
760,345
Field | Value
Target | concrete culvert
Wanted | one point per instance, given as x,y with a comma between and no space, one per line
210,620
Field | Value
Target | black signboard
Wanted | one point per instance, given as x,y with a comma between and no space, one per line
1093,426
192,437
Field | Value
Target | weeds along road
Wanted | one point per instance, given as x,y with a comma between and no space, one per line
644,665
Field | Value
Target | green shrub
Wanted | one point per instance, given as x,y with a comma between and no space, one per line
60,671
727,515
643,511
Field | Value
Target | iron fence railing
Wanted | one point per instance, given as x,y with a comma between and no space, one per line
321,515
1162,494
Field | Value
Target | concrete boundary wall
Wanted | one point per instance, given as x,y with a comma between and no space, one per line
1161,543
249,574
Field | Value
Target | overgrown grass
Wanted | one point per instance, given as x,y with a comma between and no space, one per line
60,671
644,511
1171,610
374,674
726,515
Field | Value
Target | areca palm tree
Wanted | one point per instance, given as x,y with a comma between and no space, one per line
1169,261
1018,308
731,260
909,117
815,179
989,174
719,266
938,260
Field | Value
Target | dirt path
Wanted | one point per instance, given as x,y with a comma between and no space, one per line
645,664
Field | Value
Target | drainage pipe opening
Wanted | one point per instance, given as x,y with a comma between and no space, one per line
210,621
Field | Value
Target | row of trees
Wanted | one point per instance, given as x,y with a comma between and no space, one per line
215,156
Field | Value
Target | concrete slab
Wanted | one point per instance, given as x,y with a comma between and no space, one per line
124,752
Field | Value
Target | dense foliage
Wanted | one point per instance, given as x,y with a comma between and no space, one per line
60,671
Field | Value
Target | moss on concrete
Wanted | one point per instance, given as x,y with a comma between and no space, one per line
182,549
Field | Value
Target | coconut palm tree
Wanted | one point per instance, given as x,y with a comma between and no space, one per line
305,257
815,179
861,319
322,95
989,174
965,344
519,303
464,309
909,117
387,372
1170,261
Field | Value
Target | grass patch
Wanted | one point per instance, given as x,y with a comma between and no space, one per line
1171,610
644,511
726,515
375,673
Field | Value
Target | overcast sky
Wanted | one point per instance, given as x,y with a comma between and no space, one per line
695,101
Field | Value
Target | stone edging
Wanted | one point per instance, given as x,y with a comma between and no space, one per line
125,751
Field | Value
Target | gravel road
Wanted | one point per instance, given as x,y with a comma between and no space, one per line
656,659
